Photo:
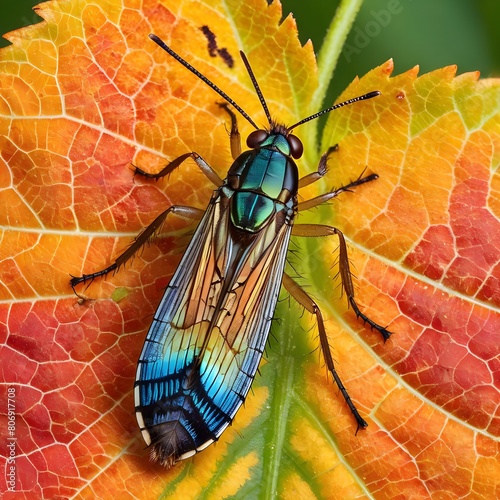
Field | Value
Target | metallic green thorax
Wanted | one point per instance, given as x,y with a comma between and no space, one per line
264,179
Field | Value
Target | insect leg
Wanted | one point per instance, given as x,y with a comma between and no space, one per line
139,241
234,134
323,198
322,169
211,174
315,230
303,298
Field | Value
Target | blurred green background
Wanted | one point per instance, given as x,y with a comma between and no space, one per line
429,33
426,32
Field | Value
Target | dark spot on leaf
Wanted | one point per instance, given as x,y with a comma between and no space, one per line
214,50
212,43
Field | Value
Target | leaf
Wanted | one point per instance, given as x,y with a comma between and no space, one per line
82,97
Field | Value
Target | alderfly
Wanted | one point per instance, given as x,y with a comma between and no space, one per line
209,332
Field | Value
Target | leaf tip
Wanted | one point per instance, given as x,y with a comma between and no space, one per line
388,67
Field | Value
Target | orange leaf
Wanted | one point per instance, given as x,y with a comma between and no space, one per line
86,94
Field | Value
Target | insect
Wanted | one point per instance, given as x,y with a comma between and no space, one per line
209,332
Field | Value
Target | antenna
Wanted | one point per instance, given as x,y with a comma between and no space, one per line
375,93
256,87
203,78
245,115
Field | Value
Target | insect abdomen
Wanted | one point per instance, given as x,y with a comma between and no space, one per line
181,422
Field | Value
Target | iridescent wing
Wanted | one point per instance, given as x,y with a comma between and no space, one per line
208,335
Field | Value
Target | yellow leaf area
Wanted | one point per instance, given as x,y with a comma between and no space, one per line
85,95
425,246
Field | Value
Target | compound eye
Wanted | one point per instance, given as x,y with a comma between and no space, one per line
296,147
256,138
